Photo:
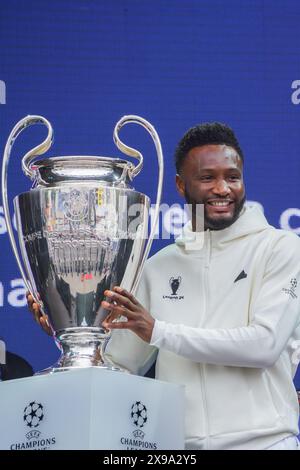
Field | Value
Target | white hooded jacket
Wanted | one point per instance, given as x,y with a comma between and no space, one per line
227,316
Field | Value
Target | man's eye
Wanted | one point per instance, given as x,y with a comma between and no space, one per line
206,178
234,177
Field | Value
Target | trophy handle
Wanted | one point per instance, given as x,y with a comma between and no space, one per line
28,170
135,171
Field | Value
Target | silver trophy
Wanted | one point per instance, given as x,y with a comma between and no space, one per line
82,229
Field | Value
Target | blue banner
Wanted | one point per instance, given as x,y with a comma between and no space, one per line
85,63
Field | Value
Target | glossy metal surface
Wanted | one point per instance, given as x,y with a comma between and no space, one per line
78,242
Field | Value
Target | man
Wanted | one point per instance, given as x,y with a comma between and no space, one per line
223,315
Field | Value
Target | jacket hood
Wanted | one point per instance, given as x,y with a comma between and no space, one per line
250,221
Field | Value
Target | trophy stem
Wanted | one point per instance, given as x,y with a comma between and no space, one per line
81,347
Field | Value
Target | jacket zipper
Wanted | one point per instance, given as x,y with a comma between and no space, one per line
202,366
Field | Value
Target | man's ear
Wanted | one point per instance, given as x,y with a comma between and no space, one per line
180,185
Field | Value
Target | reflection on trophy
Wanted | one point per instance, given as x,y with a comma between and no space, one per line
82,229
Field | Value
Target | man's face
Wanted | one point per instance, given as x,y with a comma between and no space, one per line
212,175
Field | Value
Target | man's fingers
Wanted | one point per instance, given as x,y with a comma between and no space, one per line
119,325
127,294
116,310
35,309
43,320
30,300
32,305
36,312
120,299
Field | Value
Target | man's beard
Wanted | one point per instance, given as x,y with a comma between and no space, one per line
209,222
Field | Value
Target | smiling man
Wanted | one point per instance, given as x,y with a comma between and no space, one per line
221,318
227,334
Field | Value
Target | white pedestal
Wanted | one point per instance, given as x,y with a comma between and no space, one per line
91,409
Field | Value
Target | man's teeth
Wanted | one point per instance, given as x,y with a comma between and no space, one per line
220,203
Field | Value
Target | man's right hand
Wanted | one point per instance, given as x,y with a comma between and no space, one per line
41,319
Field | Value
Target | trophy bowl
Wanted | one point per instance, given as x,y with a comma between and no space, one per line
82,229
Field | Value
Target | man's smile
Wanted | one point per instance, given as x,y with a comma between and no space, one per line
220,206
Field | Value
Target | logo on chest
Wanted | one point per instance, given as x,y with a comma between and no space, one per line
241,276
175,294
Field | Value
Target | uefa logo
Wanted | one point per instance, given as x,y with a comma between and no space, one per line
138,418
33,415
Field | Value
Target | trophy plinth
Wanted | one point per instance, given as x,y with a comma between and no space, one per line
82,230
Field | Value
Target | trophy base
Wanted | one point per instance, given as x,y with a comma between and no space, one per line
81,348
57,368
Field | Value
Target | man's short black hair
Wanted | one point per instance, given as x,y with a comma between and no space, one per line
206,134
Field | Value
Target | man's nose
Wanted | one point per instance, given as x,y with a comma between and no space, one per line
221,188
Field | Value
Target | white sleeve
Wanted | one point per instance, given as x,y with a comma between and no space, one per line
276,315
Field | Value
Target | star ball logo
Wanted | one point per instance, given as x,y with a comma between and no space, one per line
139,414
33,414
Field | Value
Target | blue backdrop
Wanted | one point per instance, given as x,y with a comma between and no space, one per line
84,63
